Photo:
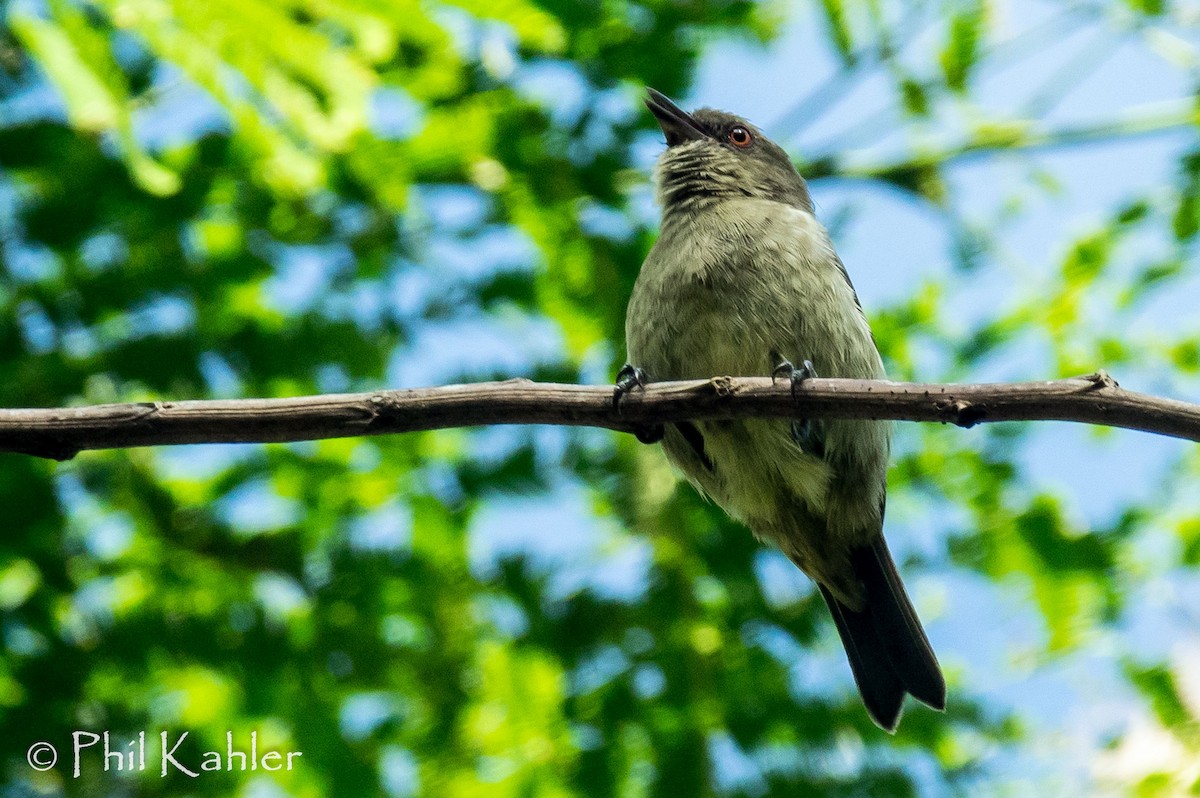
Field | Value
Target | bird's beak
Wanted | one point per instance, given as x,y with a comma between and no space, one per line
677,125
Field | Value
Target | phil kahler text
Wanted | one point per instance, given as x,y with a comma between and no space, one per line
132,755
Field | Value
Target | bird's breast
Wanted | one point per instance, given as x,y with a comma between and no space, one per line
722,290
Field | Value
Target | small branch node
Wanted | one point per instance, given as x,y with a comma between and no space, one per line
723,386
1100,380
962,413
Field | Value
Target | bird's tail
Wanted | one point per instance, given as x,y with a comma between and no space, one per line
888,651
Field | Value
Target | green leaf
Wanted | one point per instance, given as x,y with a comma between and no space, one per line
915,97
1186,355
1088,258
962,48
91,104
1186,220
1150,8
1158,685
839,29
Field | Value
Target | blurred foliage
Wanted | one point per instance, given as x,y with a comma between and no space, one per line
275,198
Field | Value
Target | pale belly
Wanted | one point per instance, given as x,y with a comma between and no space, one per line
698,313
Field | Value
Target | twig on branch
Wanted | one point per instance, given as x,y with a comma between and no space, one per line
60,433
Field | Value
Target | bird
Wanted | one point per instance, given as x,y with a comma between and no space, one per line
744,280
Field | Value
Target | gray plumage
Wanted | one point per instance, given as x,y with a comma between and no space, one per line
741,277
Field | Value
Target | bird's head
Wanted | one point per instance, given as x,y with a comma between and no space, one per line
713,155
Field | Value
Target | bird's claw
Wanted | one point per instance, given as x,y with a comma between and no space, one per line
795,375
628,378
631,377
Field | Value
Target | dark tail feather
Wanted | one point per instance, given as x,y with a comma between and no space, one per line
887,648
881,689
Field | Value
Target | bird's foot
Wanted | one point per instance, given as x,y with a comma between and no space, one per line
629,378
795,375
804,432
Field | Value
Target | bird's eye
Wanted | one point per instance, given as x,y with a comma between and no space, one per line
740,137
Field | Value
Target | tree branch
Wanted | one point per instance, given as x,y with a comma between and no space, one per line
60,433
1011,136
